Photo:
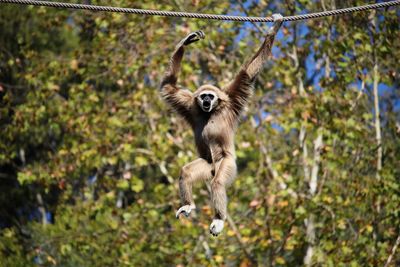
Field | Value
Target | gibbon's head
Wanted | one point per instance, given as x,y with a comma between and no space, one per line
207,97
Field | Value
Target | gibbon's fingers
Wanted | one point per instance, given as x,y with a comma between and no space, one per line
202,35
277,17
194,37
278,20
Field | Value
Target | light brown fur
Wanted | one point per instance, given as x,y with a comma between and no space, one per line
213,131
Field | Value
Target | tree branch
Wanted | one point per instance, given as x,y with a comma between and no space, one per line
390,258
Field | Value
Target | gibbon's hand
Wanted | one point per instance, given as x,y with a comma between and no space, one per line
278,20
193,37
277,17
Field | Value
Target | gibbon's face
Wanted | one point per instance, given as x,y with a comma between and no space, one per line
207,100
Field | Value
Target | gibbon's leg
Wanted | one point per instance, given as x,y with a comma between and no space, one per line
225,175
254,66
196,170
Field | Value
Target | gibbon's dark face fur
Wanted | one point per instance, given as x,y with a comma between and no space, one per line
207,97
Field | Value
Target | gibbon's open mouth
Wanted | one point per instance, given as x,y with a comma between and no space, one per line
207,107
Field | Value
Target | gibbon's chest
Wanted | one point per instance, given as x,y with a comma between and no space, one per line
214,130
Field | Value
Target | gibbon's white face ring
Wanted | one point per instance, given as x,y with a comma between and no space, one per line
207,100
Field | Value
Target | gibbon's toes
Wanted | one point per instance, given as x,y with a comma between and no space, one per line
277,17
185,210
216,227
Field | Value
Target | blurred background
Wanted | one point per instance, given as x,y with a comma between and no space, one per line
90,154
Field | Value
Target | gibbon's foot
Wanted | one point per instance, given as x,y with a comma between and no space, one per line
185,209
216,227
194,37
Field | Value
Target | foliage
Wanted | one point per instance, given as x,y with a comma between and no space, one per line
90,155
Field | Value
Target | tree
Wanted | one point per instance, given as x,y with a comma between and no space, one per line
90,154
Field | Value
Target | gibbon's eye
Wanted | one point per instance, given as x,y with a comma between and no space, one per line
211,96
203,96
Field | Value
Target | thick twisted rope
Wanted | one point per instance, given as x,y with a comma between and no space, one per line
198,15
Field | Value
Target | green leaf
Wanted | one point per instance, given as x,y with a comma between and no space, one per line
137,185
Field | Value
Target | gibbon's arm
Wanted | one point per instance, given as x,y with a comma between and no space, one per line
254,66
240,89
179,100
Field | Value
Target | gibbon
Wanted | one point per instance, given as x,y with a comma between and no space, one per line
213,114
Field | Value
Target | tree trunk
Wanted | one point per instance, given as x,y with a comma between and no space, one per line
378,133
42,208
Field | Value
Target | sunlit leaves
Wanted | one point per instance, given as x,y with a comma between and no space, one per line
85,126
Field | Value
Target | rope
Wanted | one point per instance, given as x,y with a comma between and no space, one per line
198,15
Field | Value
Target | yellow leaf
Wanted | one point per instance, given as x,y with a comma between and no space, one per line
327,199
141,161
283,204
341,224
113,224
51,260
230,233
74,64
218,258
280,260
